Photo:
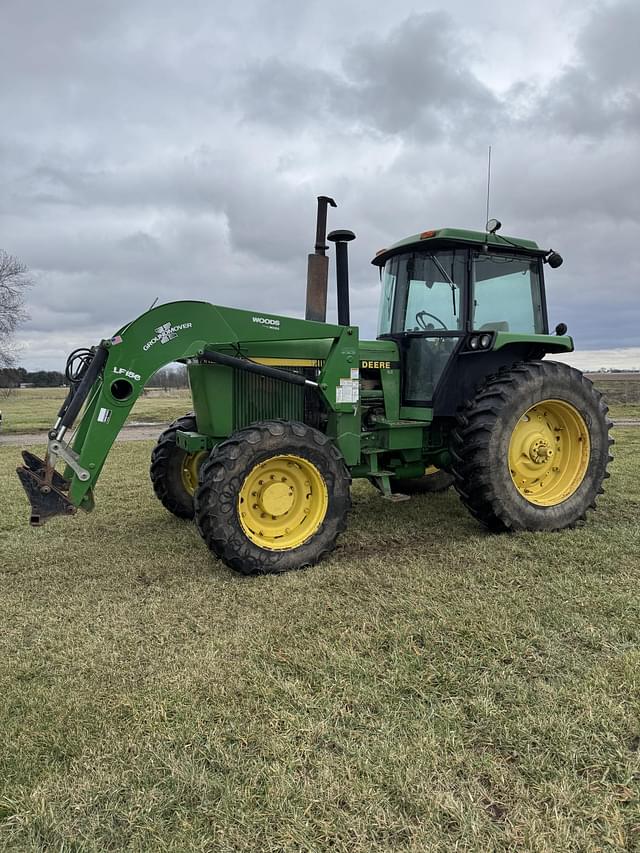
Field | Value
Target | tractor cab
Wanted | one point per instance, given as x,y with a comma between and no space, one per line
447,297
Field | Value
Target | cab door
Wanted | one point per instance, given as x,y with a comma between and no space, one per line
430,318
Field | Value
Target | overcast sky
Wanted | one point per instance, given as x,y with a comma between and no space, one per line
174,150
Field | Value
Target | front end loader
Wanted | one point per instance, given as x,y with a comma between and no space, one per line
455,389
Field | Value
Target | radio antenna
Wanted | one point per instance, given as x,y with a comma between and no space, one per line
488,182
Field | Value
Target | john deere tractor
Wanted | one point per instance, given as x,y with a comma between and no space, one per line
456,388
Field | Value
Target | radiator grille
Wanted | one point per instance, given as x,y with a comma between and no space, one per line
259,398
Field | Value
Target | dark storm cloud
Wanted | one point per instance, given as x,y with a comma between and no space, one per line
288,94
419,79
158,150
416,81
599,92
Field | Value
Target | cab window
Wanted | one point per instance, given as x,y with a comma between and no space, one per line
507,294
422,292
434,302
387,297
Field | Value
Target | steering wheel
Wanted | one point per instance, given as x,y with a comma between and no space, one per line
421,322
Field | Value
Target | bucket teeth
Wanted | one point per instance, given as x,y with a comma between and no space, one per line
46,499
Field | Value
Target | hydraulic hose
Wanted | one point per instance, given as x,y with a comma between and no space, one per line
77,365
260,369
86,384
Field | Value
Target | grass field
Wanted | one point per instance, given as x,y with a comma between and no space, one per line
33,409
428,688
625,410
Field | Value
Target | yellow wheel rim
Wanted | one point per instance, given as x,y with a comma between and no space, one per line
549,452
282,502
190,468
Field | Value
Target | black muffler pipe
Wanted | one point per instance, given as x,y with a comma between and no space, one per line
318,266
341,238
253,367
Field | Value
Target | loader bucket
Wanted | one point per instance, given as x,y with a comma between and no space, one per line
45,489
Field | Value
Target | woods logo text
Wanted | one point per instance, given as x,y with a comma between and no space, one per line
267,321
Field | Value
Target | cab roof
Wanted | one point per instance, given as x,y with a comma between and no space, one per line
443,237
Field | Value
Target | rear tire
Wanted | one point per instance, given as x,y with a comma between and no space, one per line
530,451
273,497
174,471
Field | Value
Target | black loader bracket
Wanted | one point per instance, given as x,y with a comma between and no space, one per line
45,489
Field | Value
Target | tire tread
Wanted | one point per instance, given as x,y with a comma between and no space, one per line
476,421
219,484
160,462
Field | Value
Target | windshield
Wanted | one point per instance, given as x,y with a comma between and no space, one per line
507,294
421,292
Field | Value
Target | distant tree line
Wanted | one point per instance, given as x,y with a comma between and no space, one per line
174,376
14,377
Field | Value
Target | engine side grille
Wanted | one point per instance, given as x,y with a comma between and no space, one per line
259,398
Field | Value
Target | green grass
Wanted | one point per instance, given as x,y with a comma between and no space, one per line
32,409
625,410
430,687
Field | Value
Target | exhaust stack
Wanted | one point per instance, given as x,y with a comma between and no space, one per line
318,266
341,238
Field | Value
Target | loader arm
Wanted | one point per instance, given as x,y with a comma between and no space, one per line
122,365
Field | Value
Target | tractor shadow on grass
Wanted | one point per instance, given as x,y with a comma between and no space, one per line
404,528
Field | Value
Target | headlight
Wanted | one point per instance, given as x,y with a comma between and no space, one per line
485,340
473,343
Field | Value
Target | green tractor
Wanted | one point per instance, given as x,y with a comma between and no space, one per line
455,389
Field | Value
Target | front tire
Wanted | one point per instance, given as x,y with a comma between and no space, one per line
273,497
174,472
530,451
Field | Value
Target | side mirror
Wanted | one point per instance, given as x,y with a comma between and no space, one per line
561,329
